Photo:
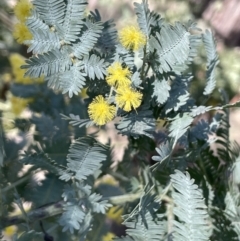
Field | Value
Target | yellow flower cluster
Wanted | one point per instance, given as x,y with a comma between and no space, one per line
16,61
132,38
126,97
119,78
22,10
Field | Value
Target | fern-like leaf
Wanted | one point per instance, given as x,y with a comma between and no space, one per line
48,63
43,41
94,66
164,150
88,39
179,125
161,90
72,217
179,94
85,157
190,209
76,121
51,11
198,110
173,47
34,22
143,16
107,40
98,205
136,124
73,20
212,61
123,56
72,81
150,229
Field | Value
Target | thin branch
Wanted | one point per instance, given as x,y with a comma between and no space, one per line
54,209
34,215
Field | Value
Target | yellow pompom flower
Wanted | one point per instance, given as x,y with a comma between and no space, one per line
16,61
23,9
100,111
132,38
21,33
117,75
19,104
108,237
127,98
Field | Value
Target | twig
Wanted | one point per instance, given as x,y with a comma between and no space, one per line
34,215
57,208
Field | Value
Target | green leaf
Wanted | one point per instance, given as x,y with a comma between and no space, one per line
50,190
29,236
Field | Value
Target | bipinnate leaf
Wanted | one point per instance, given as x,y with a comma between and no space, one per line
73,20
212,61
163,150
44,40
85,157
72,217
51,11
161,90
72,80
179,125
193,219
94,66
47,64
172,45
75,120
136,124
143,16
88,39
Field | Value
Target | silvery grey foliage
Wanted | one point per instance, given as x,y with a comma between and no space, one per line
72,50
